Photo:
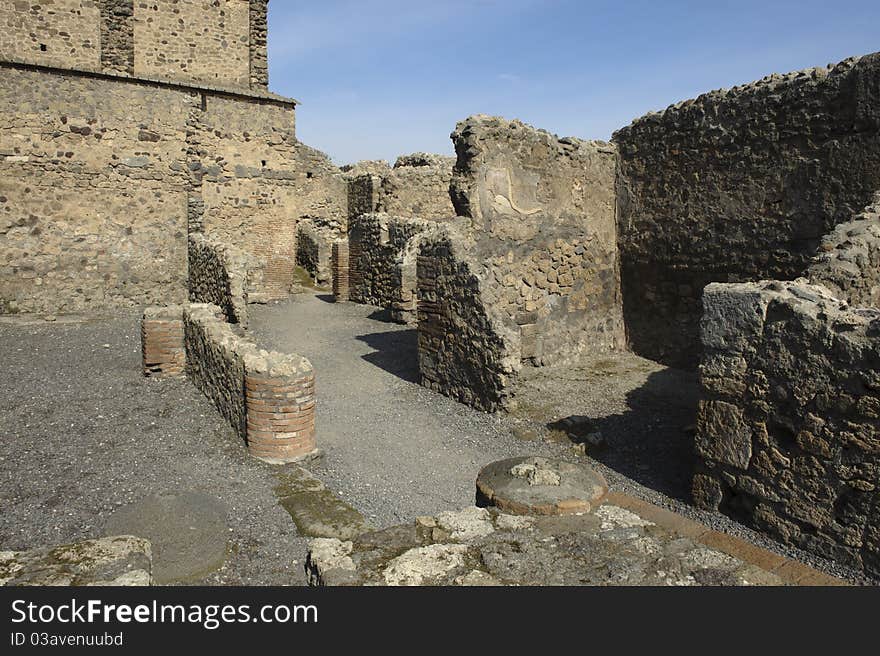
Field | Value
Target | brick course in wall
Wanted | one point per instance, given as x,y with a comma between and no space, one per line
162,344
267,397
340,263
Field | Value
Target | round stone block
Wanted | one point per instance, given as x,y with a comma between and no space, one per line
187,531
533,485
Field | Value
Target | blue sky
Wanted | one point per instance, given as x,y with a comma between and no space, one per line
378,78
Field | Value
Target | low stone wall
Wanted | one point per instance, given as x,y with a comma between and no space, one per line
787,433
340,271
465,351
849,259
267,397
162,348
376,258
221,274
313,251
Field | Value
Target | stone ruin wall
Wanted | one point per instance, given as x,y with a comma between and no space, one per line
417,186
267,397
157,162
379,272
542,213
222,275
314,244
467,351
92,198
256,181
216,42
788,432
848,262
739,185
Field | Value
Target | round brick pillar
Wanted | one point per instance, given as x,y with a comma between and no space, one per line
280,416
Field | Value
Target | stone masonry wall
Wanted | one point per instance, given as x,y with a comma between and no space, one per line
93,192
376,245
418,186
848,262
64,33
542,215
220,274
257,181
194,41
267,397
788,432
117,36
466,350
738,185
313,250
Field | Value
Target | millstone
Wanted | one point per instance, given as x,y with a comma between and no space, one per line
187,530
539,486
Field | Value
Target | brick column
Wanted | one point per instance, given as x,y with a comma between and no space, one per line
340,271
280,405
162,344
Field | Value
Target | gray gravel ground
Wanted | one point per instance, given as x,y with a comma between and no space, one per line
83,432
396,450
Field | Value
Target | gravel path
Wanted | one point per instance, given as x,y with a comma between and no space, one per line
396,450
83,433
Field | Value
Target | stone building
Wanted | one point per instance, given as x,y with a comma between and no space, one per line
127,125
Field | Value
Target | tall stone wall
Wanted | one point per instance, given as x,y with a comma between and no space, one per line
65,33
788,431
93,192
543,221
216,42
848,262
256,181
738,185
193,41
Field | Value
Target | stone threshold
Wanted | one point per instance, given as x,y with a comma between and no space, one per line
792,572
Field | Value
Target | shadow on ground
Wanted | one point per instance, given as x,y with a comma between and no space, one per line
396,352
652,441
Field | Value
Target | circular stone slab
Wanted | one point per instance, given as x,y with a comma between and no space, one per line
539,486
187,531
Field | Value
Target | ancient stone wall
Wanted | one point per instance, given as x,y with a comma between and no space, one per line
738,185
787,432
848,262
257,181
542,215
93,192
376,245
417,186
117,36
193,41
267,397
65,33
216,42
466,350
313,250
221,274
